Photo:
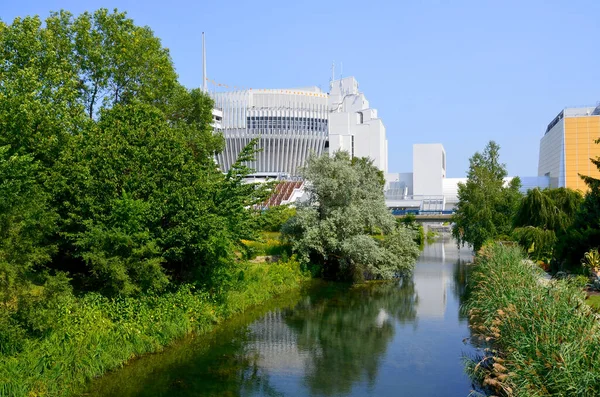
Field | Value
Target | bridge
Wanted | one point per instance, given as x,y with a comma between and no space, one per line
425,215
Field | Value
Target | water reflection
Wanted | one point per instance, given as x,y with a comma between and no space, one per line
346,336
436,273
394,338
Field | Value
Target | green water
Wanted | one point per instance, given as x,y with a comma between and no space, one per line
403,338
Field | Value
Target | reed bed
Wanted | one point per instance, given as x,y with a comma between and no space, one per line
541,338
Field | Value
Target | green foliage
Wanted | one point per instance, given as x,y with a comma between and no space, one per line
544,340
112,208
267,244
273,218
486,206
25,222
410,222
591,261
67,341
536,241
118,62
542,218
332,229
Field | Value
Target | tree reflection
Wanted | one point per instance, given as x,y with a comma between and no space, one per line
346,336
460,276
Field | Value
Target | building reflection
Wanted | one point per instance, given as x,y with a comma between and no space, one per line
434,278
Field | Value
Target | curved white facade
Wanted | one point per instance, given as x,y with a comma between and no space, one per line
290,124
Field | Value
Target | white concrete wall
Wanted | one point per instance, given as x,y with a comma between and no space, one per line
552,155
429,169
351,117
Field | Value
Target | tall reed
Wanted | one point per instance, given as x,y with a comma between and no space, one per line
542,339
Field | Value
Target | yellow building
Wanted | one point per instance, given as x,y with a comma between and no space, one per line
568,145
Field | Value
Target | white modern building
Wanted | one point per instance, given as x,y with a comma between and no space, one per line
354,126
428,189
289,125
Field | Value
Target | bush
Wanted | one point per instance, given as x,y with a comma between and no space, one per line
273,218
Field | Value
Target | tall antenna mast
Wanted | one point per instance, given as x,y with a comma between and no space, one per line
204,84
332,75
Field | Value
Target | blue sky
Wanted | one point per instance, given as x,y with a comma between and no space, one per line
455,72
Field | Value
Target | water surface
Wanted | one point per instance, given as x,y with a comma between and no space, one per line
402,338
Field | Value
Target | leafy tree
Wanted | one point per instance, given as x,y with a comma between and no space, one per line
334,227
139,204
119,62
25,222
485,205
39,82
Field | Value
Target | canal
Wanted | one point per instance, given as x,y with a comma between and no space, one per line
405,338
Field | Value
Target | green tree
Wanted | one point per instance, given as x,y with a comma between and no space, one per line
542,217
39,87
485,205
119,62
25,222
333,227
140,205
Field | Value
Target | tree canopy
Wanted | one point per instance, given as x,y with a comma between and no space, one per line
107,162
334,227
485,202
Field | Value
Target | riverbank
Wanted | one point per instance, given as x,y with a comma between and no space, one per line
325,338
542,339
80,338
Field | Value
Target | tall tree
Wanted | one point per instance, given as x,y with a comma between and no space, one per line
25,221
117,151
334,227
485,203
119,62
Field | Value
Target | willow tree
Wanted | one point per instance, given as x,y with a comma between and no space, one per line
542,217
334,228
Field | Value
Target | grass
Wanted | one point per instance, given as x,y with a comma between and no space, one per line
541,338
269,243
87,336
594,302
